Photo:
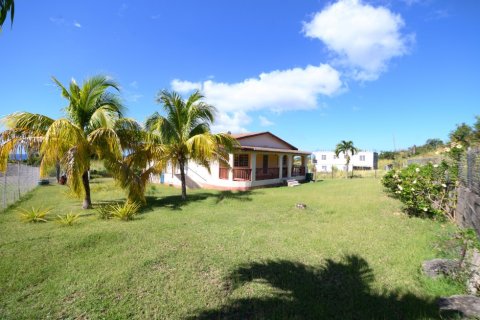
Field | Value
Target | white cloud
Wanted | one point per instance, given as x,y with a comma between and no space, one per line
280,90
264,122
362,37
77,24
134,84
185,86
234,122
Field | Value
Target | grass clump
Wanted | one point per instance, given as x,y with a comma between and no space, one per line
33,214
67,220
125,212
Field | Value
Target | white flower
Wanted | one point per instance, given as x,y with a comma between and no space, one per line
413,189
398,191
444,185
447,149
400,187
425,209
437,152
417,170
414,182
435,165
459,146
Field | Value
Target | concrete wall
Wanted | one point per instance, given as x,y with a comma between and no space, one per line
468,209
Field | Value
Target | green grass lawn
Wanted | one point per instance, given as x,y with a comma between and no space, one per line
350,255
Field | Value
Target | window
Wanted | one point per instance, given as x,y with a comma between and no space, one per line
324,168
324,157
335,157
240,160
362,158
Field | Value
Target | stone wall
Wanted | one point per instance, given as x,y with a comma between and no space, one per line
468,209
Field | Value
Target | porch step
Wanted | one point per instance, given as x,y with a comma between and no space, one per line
292,183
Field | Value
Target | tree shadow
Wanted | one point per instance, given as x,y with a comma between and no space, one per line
176,203
337,290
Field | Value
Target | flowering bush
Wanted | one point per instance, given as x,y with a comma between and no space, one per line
425,191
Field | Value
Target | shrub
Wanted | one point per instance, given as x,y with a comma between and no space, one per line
125,212
67,220
33,214
425,191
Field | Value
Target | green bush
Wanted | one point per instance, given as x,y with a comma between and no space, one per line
33,214
67,220
426,191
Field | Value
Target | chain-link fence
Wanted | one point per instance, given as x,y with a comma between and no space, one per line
469,170
17,180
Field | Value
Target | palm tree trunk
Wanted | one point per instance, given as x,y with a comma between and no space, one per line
182,177
87,202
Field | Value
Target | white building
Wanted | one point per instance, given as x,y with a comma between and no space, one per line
261,159
363,160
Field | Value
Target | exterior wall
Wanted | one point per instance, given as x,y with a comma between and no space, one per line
264,141
371,161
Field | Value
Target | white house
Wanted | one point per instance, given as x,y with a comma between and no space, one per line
363,160
261,159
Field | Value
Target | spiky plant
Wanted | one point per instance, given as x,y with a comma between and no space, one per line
33,214
86,130
185,132
125,212
68,220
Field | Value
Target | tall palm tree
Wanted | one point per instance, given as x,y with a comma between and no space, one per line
142,155
185,132
348,149
86,130
6,6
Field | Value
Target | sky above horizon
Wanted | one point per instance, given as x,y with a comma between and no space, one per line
385,74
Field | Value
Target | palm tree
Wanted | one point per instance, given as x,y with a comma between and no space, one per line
6,6
86,130
142,156
348,149
185,132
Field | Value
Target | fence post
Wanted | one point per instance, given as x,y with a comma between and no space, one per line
18,179
5,188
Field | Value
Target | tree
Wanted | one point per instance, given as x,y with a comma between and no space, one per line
348,149
6,6
86,130
476,130
185,132
462,134
143,155
433,144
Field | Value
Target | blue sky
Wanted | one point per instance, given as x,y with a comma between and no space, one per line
312,72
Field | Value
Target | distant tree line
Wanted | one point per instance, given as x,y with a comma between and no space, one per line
463,133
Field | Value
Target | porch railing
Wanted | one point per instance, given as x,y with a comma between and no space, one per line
268,173
223,173
242,174
298,171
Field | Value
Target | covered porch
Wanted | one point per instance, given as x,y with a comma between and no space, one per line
253,166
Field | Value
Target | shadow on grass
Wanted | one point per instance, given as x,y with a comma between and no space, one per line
176,203
337,290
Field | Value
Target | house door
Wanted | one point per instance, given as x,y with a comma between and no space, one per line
265,163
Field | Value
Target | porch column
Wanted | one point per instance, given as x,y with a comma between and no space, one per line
280,166
253,158
230,163
289,165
